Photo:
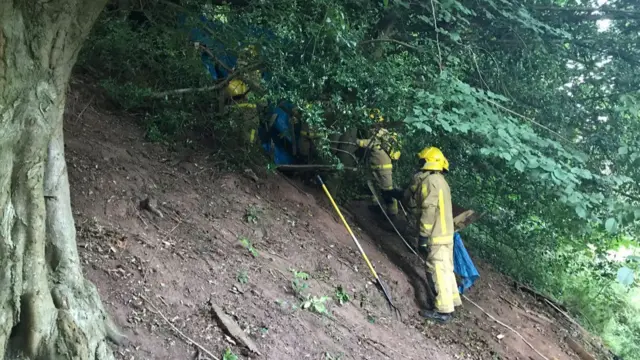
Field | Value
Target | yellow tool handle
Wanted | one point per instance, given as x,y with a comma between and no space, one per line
335,206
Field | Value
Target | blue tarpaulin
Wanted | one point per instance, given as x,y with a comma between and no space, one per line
278,135
463,265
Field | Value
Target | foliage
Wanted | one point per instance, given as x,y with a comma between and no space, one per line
329,356
298,284
341,295
316,304
242,277
247,245
535,103
252,214
229,355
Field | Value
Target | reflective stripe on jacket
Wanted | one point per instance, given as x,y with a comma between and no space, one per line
379,144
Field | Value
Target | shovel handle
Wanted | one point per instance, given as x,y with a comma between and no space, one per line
346,225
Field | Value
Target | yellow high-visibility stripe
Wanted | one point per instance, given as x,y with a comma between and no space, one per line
442,240
424,192
245,105
443,221
427,226
383,167
252,135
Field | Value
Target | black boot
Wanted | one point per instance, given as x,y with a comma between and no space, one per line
436,316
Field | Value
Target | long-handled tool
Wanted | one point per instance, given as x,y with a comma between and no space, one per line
380,283
372,189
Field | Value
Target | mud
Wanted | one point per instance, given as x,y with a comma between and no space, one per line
193,256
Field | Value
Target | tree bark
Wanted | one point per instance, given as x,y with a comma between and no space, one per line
47,309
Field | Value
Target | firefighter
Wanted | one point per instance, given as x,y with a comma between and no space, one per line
307,142
382,149
244,115
429,199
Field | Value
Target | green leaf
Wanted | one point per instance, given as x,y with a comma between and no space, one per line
610,225
559,174
581,211
533,163
623,150
625,276
385,3
633,258
520,165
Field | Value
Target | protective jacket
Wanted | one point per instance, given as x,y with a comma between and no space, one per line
245,118
384,148
307,138
429,199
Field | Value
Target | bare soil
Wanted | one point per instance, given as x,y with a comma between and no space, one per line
192,256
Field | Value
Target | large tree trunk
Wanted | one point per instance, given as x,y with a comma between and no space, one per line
47,309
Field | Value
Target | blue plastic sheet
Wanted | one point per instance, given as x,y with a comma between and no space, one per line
278,135
463,265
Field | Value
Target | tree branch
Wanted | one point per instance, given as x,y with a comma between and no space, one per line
217,86
530,120
587,9
590,13
252,84
389,40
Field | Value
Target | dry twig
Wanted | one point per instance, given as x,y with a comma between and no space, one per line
506,326
184,337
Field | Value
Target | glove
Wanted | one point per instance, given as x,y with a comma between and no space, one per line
423,245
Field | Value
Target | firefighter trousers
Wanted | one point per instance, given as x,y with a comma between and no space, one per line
384,183
441,279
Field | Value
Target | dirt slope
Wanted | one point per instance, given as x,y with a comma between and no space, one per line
192,256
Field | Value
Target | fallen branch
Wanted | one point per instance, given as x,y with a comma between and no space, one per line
391,41
216,86
184,337
582,353
530,120
293,184
313,167
582,330
252,84
374,343
506,326
539,296
231,327
345,152
85,108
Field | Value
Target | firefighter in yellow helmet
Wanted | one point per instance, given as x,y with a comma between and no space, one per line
382,148
308,136
429,199
244,115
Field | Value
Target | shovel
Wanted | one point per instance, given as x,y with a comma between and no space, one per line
379,282
375,197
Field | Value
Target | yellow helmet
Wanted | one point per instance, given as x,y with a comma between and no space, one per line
434,159
376,116
252,50
236,87
445,166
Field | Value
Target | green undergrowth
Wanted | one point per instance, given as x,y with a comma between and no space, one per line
590,283
558,192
